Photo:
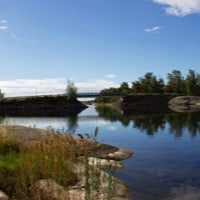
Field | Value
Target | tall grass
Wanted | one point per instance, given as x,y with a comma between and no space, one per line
51,159
22,166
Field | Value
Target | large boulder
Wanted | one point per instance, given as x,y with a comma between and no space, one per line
185,104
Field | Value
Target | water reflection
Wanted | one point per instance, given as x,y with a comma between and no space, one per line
166,160
151,123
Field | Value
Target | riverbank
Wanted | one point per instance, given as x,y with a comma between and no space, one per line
37,164
40,106
147,103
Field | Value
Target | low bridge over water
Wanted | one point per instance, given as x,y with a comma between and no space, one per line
79,95
97,94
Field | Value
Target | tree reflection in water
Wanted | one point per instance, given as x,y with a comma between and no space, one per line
151,122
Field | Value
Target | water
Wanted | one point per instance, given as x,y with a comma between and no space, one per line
166,147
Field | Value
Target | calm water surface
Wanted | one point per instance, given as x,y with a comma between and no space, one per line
166,146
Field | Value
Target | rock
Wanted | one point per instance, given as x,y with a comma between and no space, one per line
3,196
92,184
106,151
185,104
93,161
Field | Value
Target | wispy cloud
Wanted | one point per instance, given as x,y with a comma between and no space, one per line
3,21
155,29
2,28
3,25
95,85
30,87
180,7
110,76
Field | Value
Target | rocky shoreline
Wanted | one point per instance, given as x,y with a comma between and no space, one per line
40,106
100,156
147,103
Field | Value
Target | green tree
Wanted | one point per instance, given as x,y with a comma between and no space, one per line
71,91
110,90
1,95
176,83
124,88
148,84
192,83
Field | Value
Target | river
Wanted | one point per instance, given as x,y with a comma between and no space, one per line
166,146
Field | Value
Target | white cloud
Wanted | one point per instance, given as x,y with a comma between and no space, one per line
2,28
31,87
3,21
180,7
95,85
110,76
26,87
153,29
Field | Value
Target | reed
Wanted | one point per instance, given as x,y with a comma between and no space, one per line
21,166
52,159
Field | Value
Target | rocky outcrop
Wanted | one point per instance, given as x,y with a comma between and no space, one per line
185,104
93,182
40,106
97,185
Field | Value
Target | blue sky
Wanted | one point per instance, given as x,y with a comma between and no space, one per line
94,43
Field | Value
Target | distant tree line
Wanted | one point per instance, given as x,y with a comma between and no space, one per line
149,84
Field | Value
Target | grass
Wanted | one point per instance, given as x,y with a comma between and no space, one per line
53,158
21,167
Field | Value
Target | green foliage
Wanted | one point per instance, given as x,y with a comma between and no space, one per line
193,83
106,100
22,167
148,84
124,88
1,95
176,83
71,91
9,161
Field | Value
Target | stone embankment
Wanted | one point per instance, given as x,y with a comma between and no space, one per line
97,184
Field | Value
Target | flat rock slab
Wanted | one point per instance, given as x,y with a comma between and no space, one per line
185,100
106,151
98,185
31,136
185,104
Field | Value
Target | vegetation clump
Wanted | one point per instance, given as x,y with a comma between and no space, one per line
22,166
175,83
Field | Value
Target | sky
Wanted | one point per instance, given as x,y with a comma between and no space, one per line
94,43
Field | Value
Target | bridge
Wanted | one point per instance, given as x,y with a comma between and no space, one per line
79,95
97,94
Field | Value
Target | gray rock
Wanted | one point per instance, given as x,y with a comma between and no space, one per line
105,151
3,196
93,161
97,185
185,104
